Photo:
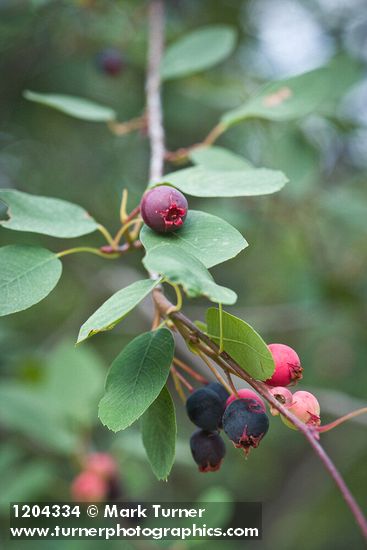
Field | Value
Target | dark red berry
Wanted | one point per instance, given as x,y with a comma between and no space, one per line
245,423
287,366
164,208
205,409
110,61
114,489
208,450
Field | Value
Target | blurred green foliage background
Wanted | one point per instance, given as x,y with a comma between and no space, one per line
302,281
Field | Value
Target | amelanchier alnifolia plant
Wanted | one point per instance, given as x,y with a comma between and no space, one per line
180,245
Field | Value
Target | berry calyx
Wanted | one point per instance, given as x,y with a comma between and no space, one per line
245,423
207,450
246,394
287,366
110,61
282,395
89,487
102,464
205,409
306,408
164,209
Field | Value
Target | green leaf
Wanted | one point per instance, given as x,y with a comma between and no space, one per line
198,50
184,269
242,343
159,431
218,158
73,380
209,238
200,182
295,97
116,308
45,215
25,411
28,274
136,378
76,107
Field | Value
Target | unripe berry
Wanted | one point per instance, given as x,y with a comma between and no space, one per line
102,464
110,61
287,366
246,394
164,208
89,487
282,395
205,409
208,450
220,390
306,408
245,423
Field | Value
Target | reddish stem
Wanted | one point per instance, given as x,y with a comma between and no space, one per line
182,379
132,214
190,371
338,421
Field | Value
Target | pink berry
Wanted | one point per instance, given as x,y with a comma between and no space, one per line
102,464
306,408
89,487
164,209
282,395
287,366
246,394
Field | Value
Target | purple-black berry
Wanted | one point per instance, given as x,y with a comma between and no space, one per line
208,450
205,409
245,423
220,390
164,208
110,61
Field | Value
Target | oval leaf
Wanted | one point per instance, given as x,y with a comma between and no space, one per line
27,275
136,378
76,107
184,269
198,50
218,158
209,238
159,432
298,96
242,343
116,308
200,182
45,215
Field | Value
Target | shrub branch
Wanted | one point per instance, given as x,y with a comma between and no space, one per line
185,326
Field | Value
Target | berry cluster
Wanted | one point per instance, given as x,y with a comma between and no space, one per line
212,408
288,371
242,416
98,481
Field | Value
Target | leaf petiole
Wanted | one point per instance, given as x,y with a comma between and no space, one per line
89,249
